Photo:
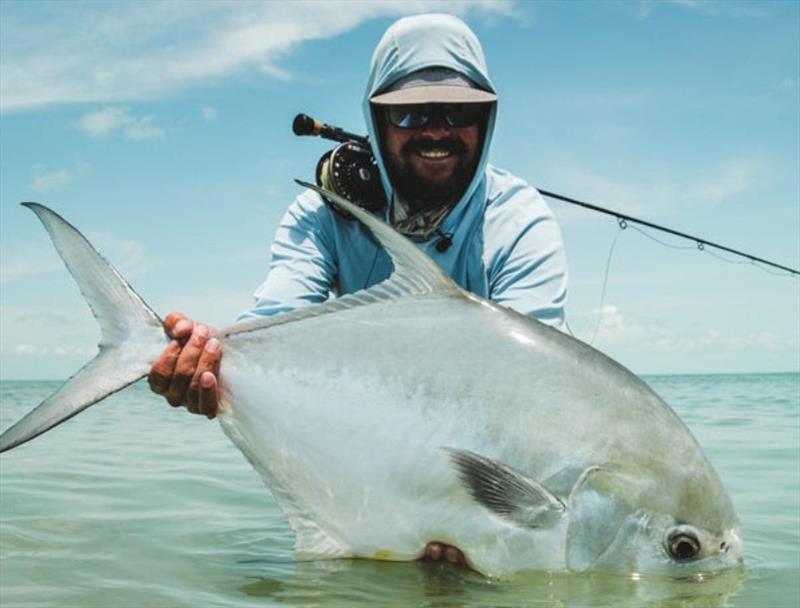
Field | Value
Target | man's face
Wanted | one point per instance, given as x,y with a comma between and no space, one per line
432,164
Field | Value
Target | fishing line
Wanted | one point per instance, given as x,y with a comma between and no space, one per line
700,242
746,262
622,226
700,247
664,243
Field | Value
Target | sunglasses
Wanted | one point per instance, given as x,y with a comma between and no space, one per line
416,116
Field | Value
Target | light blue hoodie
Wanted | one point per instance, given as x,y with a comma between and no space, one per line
506,245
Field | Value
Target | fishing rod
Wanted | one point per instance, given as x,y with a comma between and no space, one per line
351,171
623,219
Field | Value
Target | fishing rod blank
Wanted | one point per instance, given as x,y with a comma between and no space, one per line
622,218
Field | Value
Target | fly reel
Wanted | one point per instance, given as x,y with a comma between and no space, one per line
350,171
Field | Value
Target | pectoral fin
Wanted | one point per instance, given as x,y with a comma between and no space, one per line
505,491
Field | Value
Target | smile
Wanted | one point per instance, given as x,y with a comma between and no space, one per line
435,154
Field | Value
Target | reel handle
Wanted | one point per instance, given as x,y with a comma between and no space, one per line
303,124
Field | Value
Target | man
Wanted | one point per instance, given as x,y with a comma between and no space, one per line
430,110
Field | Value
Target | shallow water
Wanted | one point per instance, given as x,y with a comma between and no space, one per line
133,503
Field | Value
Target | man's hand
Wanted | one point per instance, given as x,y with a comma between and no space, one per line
185,372
439,552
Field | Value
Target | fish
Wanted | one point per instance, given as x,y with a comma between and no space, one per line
416,412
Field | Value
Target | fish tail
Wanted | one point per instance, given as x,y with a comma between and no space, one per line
132,335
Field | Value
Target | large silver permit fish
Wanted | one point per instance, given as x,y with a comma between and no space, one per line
414,412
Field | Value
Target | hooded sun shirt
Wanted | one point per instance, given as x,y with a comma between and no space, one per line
505,243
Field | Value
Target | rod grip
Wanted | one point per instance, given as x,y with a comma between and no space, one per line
303,124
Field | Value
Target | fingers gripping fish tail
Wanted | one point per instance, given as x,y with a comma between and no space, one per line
132,335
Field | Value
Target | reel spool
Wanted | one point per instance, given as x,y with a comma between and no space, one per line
350,171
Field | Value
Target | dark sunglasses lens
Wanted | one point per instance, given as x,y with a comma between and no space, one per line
408,117
455,115
463,114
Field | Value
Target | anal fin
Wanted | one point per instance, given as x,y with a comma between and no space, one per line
311,541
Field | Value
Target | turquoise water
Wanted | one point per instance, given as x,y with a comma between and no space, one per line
133,503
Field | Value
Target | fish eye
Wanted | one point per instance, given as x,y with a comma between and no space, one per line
682,545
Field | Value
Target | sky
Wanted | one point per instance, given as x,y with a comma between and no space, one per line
162,130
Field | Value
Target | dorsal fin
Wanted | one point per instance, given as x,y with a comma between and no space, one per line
415,273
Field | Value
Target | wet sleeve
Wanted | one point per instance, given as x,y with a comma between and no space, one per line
527,268
302,267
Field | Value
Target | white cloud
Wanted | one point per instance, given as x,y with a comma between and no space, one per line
122,51
622,195
143,128
44,180
31,259
646,8
615,330
217,307
127,255
27,262
725,180
57,351
209,112
65,331
104,122
652,190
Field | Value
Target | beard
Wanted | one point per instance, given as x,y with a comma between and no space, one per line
421,192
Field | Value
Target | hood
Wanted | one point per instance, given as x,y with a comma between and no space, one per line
424,41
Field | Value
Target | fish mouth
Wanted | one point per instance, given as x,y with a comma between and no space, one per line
732,548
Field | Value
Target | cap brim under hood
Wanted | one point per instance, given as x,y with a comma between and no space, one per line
434,94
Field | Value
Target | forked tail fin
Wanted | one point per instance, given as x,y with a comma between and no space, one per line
132,335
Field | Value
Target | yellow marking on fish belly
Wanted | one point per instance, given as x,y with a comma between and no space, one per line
383,554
